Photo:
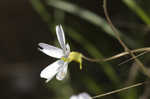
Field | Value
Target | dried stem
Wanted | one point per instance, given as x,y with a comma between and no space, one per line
144,50
132,58
112,26
118,90
121,42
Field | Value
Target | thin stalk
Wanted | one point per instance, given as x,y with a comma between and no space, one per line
144,50
145,70
118,90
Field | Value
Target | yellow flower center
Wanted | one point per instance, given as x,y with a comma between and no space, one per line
74,56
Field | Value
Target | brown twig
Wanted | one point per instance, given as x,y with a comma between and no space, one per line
144,50
132,58
119,90
121,42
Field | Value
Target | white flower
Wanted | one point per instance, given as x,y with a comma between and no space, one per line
81,96
58,68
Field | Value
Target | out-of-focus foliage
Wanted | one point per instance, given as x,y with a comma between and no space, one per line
33,21
133,5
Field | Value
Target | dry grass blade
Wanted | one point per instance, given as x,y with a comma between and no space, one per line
118,90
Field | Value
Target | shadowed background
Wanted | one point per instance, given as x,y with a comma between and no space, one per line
25,23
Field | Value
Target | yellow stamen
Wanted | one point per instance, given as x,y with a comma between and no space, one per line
64,59
74,56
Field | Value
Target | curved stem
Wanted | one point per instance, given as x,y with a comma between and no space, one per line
112,26
146,49
140,64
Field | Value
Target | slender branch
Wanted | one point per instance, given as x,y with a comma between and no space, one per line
145,70
118,90
132,58
112,26
144,50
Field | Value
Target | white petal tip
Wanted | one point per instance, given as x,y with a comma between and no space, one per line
40,49
59,79
58,25
47,81
43,45
40,44
46,78
83,95
61,76
51,70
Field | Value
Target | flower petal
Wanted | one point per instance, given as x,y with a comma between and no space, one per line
84,96
68,49
50,71
74,97
61,37
51,50
62,72
81,96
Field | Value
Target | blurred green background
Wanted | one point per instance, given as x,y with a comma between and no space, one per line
25,23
